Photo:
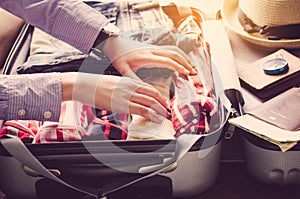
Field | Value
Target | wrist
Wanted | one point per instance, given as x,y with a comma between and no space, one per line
100,40
109,30
110,43
68,81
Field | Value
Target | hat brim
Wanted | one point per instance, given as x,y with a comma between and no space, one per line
229,12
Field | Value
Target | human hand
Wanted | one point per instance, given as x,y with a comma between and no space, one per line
128,56
117,94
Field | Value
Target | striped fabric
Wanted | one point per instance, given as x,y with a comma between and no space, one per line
61,19
25,92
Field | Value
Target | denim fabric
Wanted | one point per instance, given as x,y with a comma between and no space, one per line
48,54
151,25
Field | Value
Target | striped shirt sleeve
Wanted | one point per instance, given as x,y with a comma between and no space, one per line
30,97
71,21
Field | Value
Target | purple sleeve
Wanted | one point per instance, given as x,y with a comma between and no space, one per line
69,20
30,97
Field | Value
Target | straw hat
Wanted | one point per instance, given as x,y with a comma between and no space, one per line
256,20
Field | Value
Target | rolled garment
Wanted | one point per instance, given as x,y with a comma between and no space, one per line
190,108
194,101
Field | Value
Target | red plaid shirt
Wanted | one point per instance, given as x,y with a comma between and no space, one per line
77,122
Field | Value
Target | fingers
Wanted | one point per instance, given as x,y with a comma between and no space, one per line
177,59
166,57
145,112
148,102
137,97
164,62
177,50
150,91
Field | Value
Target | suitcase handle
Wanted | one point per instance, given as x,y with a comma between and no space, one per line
15,147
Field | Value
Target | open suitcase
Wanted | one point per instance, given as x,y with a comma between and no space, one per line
186,166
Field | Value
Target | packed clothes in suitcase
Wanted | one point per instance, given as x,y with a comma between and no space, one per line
96,153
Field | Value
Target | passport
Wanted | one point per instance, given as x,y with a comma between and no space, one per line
282,111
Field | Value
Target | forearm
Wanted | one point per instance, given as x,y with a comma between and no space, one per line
68,84
8,35
61,19
30,97
80,87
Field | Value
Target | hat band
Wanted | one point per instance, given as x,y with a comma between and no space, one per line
289,31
